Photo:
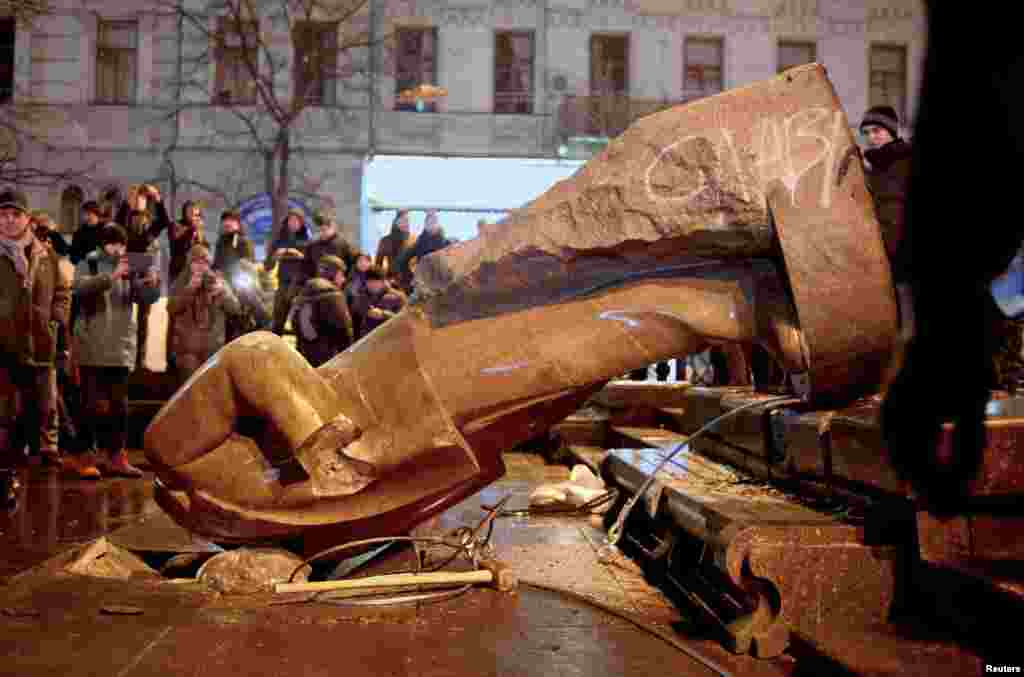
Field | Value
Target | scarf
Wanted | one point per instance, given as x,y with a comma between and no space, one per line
15,251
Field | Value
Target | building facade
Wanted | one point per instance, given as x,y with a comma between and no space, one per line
116,89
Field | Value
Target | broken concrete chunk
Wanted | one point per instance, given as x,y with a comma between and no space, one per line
585,477
251,570
103,559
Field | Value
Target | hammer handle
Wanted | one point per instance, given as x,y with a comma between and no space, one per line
392,581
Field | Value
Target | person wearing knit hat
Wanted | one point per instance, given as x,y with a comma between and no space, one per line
888,171
880,125
110,290
320,315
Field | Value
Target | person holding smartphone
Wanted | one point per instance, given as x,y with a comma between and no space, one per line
108,289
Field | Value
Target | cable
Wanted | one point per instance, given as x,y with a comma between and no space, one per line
616,530
660,634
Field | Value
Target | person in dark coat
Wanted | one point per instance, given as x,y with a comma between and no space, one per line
356,283
35,299
394,245
379,304
328,242
429,241
287,251
232,245
144,217
87,238
182,235
320,315
888,170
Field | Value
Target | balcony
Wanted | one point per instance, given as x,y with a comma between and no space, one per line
603,116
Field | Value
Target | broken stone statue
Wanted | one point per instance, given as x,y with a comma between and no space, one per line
741,217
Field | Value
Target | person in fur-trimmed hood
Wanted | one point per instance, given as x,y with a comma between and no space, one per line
320,314
888,171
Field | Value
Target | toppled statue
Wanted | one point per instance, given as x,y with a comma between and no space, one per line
742,217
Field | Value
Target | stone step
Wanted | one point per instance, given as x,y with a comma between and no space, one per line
792,568
635,436
623,394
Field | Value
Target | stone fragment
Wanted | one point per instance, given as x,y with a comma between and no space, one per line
250,570
103,559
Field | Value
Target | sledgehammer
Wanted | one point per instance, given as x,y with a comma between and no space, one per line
493,572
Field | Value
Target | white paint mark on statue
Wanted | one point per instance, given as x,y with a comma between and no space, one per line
780,146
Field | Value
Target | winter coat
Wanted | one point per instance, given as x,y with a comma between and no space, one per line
887,180
107,322
392,247
181,237
230,250
142,238
322,323
85,240
317,249
199,321
32,317
389,300
289,271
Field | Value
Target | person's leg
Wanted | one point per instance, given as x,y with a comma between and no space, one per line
11,456
142,336
40,414
282,305
117,422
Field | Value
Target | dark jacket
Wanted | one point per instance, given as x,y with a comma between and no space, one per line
181,237
323,325
887,179
85,240
289,271
391,248
142,238
32,318
317,249
59,244
391,301
230,250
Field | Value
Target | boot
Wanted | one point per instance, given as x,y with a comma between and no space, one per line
120,467
83,466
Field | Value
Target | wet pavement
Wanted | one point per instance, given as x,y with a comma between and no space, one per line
55,623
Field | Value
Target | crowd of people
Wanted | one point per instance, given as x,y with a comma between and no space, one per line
74,315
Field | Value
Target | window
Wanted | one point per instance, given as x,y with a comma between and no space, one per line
316,62
513,73
702,64
609,65
889,77
415,64
116,61
792,54
71,209
237,57
7,36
